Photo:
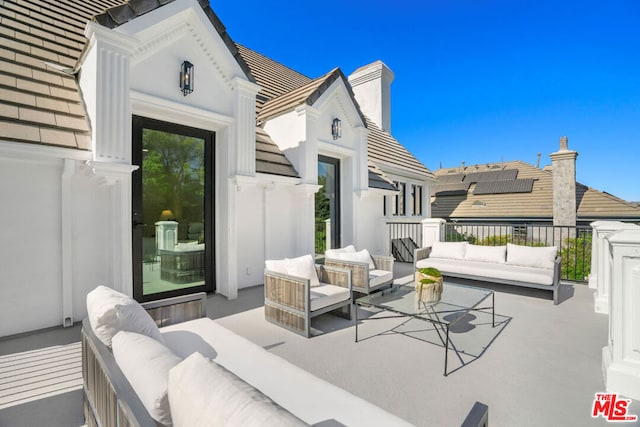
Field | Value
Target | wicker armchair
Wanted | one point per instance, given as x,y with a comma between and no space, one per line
365,280
291,302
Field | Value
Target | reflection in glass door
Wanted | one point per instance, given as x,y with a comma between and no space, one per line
172,235
328,205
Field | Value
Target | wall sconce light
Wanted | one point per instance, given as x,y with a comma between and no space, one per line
336,128
186,78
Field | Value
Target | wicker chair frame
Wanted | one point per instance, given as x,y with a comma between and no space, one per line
287,299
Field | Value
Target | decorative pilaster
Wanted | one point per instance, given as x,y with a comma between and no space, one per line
432,230
243,146
105,87
621,357
601,274
361,181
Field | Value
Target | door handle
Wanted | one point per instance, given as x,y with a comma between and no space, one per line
138,224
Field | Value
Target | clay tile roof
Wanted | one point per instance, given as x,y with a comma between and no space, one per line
40,42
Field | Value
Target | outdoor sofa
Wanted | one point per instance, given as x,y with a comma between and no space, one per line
165,361
517,265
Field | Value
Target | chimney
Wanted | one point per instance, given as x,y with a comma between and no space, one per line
563,163
371,86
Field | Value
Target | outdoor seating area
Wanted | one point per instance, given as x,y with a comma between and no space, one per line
533,358
369,272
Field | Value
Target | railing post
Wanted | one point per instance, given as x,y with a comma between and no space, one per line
600,277
432,231
621,357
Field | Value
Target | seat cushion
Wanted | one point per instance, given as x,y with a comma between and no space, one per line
203,393
333,253
488,271
326,295
379,278
146,363
110,312
361,256
497,254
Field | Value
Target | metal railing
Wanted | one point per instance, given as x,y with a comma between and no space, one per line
404,238
574,243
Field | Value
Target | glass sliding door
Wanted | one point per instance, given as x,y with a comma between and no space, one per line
172,210
328,205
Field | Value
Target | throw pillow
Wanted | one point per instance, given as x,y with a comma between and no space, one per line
277,266
146,364
495,254
305,267
110,312
333,253
362,256
203,393
452,250
531,256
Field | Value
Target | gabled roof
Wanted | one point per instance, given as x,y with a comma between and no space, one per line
516,190
123,13
307,94
385,149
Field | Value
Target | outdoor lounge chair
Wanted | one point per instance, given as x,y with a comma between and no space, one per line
296,290
369,273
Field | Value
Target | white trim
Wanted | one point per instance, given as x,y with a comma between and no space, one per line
25,152
66,234
144,104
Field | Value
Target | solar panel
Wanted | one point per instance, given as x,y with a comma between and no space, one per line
450,179
489,176
504,187
451,189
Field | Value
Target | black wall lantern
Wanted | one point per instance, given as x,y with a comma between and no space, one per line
186,78
336,128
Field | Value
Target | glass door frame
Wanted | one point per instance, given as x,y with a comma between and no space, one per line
336,238
140,123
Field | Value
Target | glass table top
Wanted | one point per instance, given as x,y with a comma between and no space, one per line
455,302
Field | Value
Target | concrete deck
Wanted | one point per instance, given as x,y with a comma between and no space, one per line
540,366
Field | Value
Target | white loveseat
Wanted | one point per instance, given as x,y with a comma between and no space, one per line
528,266
192,372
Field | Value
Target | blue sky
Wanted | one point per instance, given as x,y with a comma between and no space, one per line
478,81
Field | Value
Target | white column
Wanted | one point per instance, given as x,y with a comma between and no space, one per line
432,230
244,144
105,86
621,357
600,277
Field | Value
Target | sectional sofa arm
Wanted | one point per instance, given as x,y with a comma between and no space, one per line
170,311
383,262
421,253
334,276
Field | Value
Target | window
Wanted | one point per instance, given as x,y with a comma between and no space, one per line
397,202
416,200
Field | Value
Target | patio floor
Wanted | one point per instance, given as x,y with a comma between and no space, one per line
540,366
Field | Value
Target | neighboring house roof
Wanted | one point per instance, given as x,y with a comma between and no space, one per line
516,190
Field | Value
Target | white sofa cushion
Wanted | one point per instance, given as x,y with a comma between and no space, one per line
202,393
452,250
303,394
362,256
530,256
333,253
305,267
146,363
496,254
110,312
490,271
379,278
326,295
